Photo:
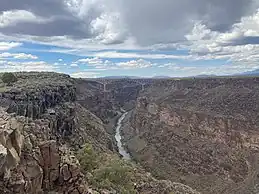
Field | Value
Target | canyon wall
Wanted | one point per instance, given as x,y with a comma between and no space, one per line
203,133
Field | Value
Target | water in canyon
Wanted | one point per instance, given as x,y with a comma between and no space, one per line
125,155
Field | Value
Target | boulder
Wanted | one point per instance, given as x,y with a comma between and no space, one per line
50,163
3,156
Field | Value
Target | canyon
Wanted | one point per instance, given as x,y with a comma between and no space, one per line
176,136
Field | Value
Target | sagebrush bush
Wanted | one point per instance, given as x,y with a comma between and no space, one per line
108,171
9,78
116,172
88,159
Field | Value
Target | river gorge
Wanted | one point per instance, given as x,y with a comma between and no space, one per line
125,155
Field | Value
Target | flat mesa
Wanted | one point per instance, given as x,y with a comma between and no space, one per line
125,155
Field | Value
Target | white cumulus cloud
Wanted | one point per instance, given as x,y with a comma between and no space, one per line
13,17
85,74
17,55
27,66
9,45
134,64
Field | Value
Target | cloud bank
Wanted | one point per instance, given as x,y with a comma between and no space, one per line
204,29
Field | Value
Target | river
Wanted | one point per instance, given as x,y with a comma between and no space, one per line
125,155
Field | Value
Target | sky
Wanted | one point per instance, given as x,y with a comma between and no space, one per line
96,38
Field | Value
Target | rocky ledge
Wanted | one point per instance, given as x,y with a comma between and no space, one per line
34,94
31,162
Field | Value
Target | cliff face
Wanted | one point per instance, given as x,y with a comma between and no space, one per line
41,128
203,133
33,162
53,97
35,93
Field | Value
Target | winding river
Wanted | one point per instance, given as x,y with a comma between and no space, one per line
125,155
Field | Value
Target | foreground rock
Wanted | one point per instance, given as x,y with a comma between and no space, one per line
32,164
37,146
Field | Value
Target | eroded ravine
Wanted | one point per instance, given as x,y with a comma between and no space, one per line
125,155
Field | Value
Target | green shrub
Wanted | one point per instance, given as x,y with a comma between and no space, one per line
88,158
116,175
9,78
107,171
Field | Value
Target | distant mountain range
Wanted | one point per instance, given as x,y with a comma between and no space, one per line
248,73
205,76
161,77
251,73
120,77
135,77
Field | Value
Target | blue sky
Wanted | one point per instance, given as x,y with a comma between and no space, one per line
148,38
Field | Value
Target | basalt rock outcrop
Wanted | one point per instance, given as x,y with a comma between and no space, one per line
53,97
200,132
42,127
33,163
33,94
